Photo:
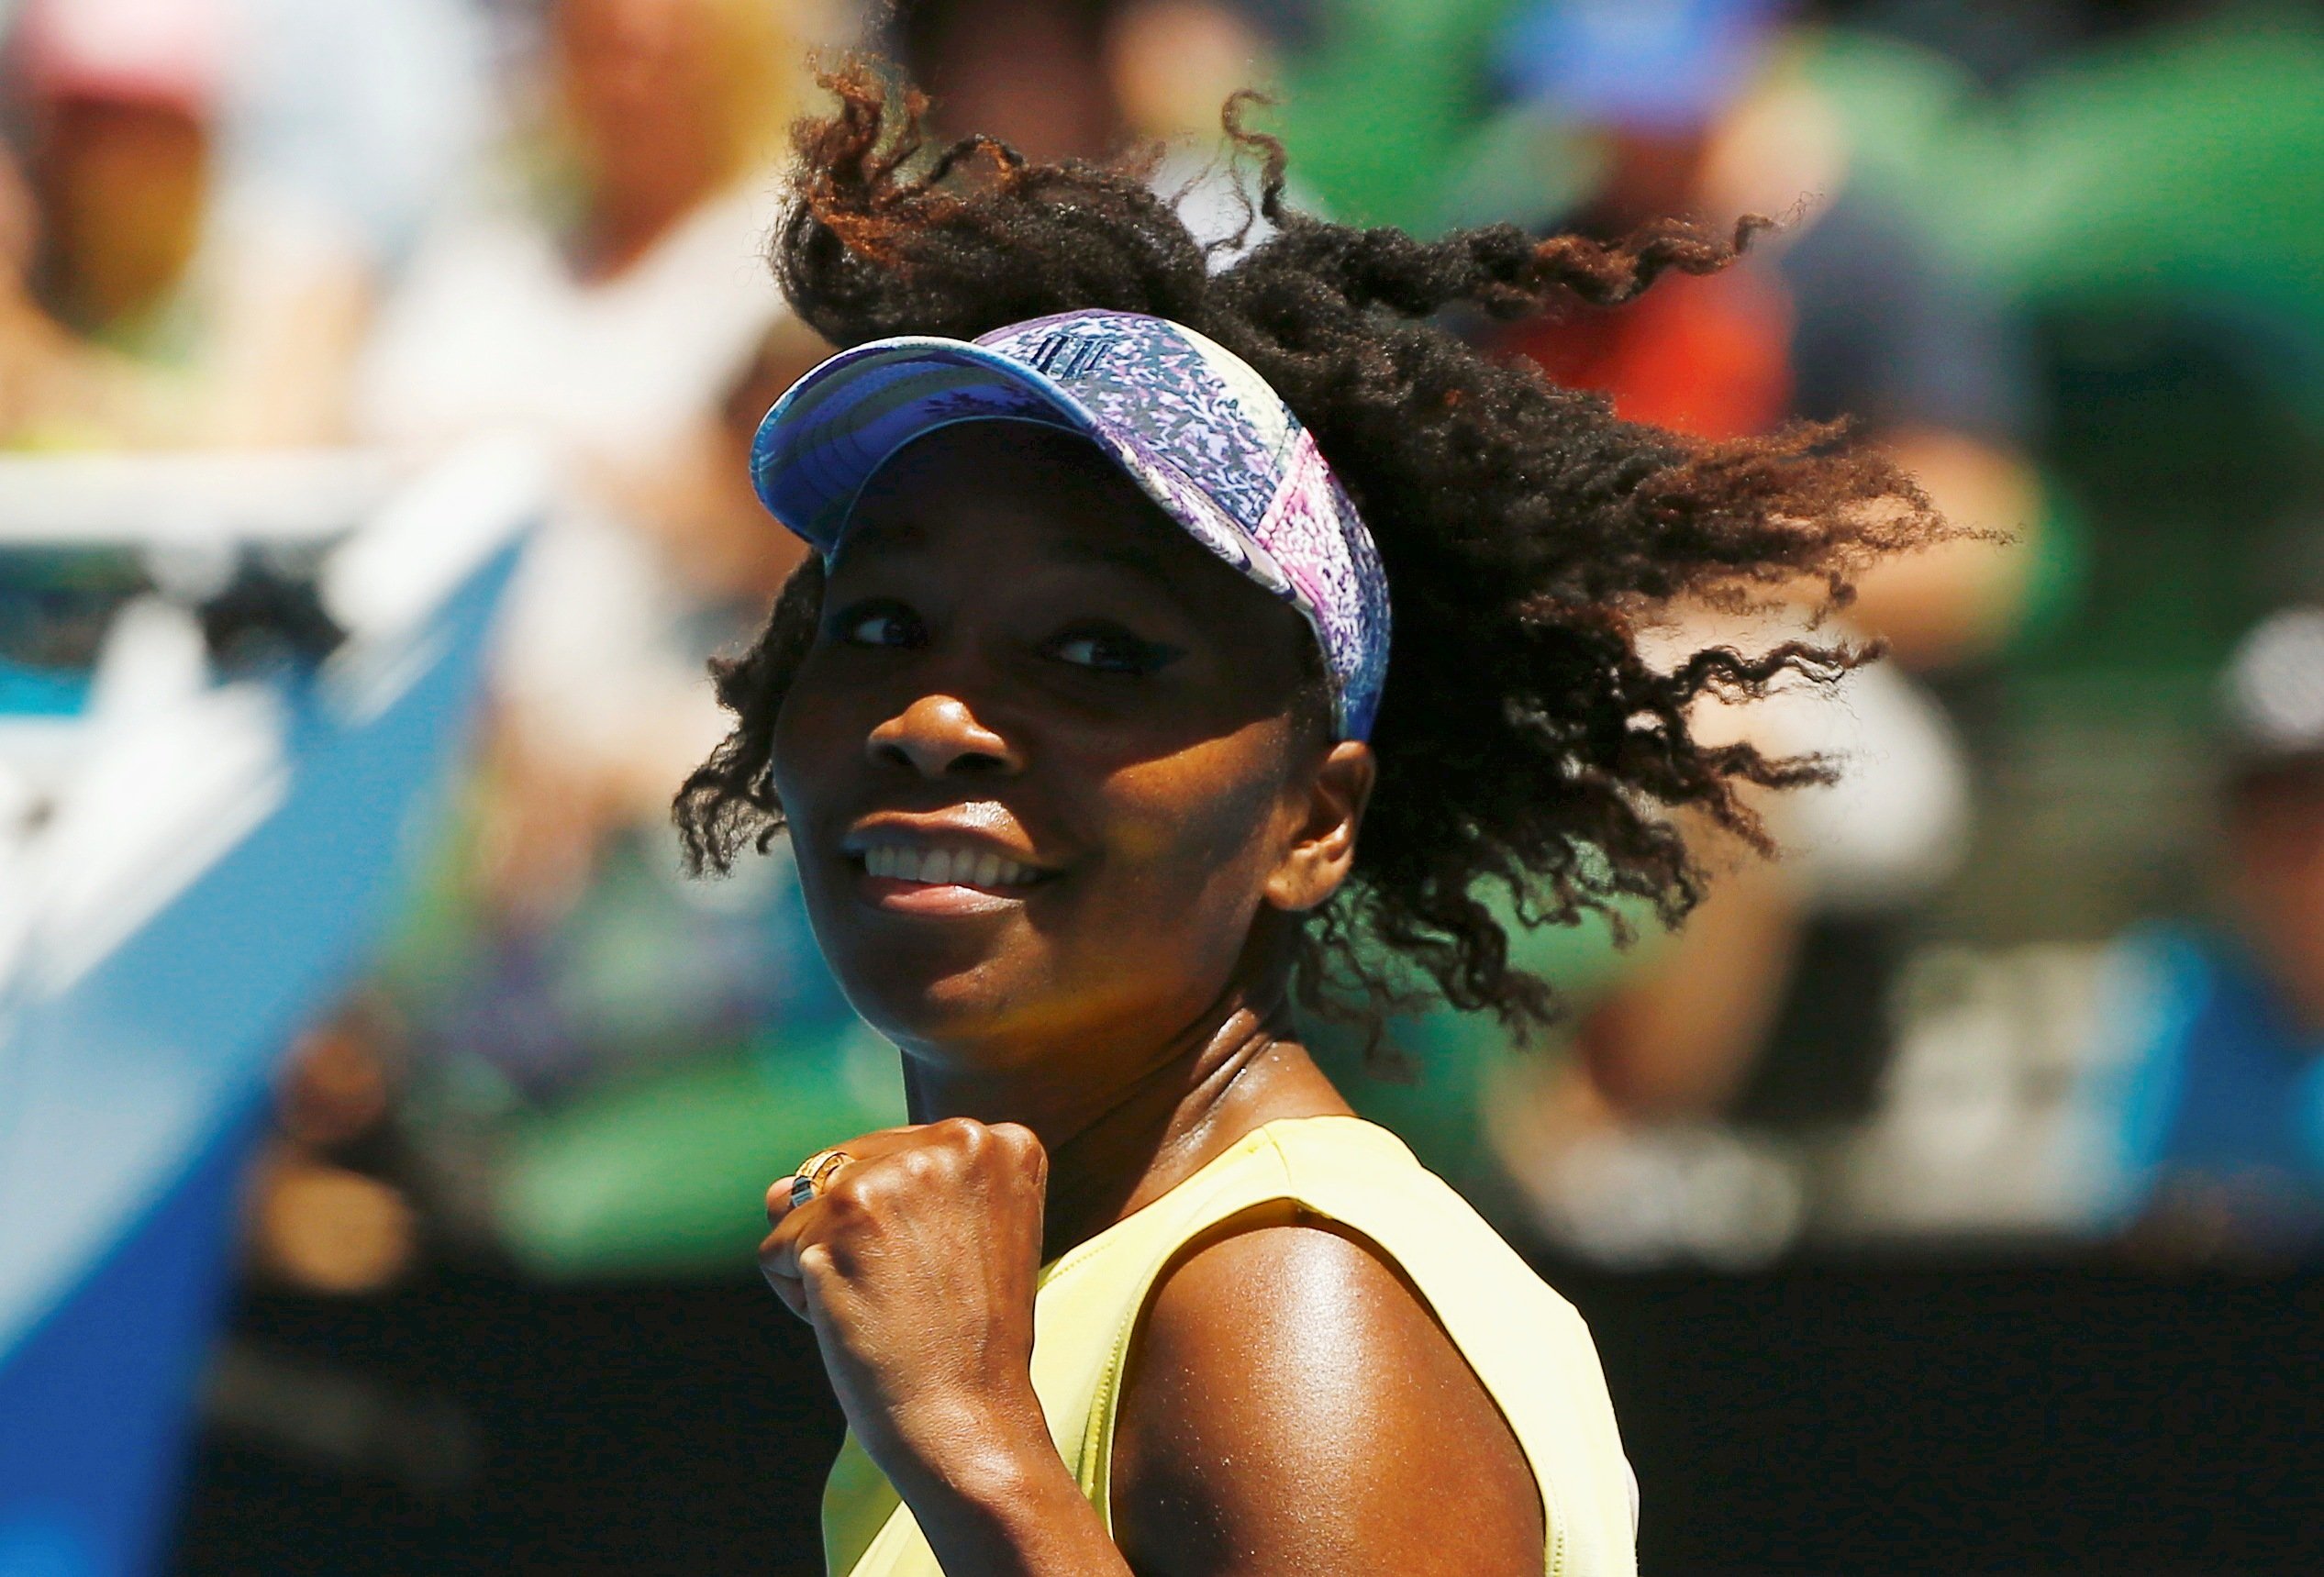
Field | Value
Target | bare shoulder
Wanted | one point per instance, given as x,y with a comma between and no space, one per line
1293,1406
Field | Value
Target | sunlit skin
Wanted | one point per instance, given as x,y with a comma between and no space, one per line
1020,657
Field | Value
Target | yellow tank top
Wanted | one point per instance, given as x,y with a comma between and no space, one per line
1525,1343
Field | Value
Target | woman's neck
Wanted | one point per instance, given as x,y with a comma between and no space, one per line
1113,1149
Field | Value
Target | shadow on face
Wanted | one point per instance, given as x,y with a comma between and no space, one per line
1048,760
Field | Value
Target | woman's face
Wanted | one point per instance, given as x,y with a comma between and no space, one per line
1044,766
639,79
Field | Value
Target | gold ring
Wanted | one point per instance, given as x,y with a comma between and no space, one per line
814,1173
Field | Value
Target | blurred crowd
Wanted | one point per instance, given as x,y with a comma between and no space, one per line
2047,961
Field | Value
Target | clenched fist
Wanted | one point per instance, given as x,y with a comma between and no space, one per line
915,1264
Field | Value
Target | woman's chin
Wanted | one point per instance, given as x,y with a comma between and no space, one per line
959,1019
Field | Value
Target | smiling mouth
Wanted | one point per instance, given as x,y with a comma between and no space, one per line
941,879
946,868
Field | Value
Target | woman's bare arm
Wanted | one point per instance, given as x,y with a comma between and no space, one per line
1293,1408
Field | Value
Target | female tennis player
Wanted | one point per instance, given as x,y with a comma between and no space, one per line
1096,753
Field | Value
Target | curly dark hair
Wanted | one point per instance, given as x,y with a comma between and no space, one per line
1529,535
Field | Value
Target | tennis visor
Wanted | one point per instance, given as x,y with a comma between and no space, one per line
1194,427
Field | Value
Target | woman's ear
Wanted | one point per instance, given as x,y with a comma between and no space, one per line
1324,845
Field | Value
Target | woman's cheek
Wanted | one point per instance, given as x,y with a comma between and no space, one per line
817,749
1194,842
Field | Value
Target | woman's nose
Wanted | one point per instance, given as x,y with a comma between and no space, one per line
939,736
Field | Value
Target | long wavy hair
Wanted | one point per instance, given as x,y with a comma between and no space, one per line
1526,741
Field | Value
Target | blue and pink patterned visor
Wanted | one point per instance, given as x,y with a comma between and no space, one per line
1197,429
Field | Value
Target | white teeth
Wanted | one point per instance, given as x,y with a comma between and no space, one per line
940,867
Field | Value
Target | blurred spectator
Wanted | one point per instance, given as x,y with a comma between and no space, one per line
1031,73
1092,78
1771,1004
1703,108
1173,64
577,1005
144,297
2210,1097
325,1212
601,287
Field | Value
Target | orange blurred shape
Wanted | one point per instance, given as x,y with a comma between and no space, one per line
1709,356
330,1230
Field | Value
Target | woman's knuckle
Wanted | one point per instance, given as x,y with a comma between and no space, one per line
1021,1147
966,1134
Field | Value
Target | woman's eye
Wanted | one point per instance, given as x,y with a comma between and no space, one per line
879,624
1111,651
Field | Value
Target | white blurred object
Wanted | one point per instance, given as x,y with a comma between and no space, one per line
1977,1132
1670,1194
494,332
189,500
1897,821
106,815
2273,687
367,111
432,535
174,771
